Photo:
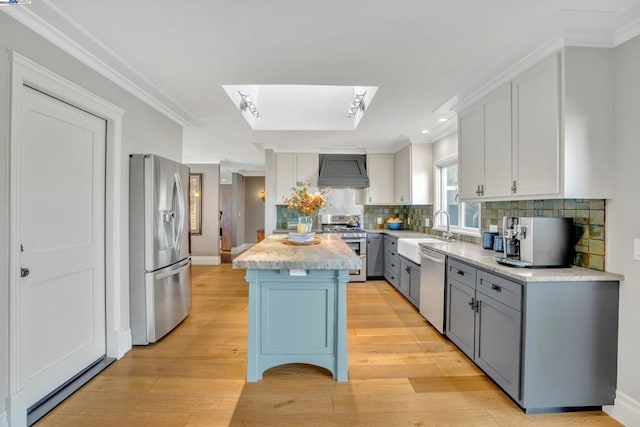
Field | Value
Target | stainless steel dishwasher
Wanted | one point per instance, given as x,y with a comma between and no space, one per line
432,287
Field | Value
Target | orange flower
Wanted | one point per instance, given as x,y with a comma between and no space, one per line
304,202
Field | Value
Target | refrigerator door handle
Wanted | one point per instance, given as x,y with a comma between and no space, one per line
175,270
181,212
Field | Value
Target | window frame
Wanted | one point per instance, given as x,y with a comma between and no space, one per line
439,223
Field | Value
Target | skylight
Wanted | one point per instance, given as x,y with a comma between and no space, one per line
301,107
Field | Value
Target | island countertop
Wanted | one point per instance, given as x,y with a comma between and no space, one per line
272,254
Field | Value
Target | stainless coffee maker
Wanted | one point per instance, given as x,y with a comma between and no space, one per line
512,232
536,242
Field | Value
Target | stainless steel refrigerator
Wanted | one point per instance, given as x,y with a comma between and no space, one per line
159,246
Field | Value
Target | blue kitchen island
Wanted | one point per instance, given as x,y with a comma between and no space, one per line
298,304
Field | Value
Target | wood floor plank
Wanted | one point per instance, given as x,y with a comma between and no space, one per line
401,372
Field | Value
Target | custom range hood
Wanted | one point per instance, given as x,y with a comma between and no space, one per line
343,171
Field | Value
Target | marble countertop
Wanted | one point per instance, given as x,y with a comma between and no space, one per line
407,234
272,254
484,258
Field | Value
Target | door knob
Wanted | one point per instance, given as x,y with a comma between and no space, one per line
24,272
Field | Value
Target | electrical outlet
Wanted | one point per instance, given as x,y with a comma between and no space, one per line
636,249
427,223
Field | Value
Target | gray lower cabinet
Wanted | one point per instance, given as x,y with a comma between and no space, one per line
461,316
410,281
375,255
546,344
498,332
392,261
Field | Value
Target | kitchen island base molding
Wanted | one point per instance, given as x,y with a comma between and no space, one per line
297,318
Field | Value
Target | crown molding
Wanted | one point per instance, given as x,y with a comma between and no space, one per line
27,17
627,32
460,102
446,129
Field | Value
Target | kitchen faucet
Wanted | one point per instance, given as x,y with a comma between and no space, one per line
447,234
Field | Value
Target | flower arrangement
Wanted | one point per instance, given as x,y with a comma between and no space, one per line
305,202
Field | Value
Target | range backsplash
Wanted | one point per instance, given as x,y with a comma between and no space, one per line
588,216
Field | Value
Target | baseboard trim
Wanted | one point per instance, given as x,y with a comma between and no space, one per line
626,409
125,343
53,399
205,260
243,247
3,420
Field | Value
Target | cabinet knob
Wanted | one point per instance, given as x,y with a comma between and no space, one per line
496,288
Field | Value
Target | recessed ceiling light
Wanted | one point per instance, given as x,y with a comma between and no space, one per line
442,119
425,131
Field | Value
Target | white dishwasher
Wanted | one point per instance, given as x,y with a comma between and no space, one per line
432,287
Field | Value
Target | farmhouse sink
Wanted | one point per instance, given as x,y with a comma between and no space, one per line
410,249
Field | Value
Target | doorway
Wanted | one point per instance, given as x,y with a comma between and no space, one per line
65,234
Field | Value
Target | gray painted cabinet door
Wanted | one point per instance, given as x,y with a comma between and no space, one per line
414,286
375,255
461,316
405,277
497,350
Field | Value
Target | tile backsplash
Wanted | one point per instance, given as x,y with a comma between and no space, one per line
588,216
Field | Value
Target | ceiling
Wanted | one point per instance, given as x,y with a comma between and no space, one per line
422,55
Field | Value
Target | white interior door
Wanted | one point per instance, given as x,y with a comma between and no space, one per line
61,232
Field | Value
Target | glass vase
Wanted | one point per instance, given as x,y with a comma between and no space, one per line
305,224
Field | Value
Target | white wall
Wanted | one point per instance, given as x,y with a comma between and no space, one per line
623,225
144,130
208,243
237,211
445,147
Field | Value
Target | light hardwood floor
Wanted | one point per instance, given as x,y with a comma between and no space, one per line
401,372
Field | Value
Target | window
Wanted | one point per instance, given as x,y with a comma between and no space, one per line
464,217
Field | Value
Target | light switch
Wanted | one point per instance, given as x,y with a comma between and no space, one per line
493,228
636,249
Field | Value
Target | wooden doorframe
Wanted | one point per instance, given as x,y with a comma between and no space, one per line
118,335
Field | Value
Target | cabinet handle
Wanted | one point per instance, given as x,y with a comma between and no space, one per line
496,288
482,189
514,187
407,269
460,272
472,303
476,306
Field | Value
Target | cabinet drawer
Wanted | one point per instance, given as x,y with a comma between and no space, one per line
393,265
503,290
391,255
393,278
461,272
390,242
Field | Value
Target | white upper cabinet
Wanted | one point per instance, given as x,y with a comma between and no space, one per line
413,166
380,169
550,138
471,152
292,168
485,147
536,130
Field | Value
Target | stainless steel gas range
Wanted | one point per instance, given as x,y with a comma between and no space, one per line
349,228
